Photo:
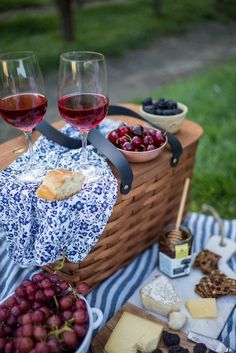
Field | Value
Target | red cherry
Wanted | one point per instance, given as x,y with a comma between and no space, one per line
121,140
127,146
160,138
151,147
148,140
123,129
113,136
137,141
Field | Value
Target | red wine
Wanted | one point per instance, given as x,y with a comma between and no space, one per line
83,111
23,111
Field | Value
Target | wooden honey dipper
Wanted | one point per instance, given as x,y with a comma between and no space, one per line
175,235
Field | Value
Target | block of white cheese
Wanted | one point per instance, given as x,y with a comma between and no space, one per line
133,333
204,308
160,296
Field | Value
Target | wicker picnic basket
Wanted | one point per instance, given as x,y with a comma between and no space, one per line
138,217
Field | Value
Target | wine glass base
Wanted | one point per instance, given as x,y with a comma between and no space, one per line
34,175
92,172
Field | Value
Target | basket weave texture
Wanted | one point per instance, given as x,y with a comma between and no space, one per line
138,217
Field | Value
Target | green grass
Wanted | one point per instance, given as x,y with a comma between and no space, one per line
111,29
210,97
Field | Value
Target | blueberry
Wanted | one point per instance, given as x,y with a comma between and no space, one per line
171,104
159,111
168,112
147,101
149,109
160,104
178,111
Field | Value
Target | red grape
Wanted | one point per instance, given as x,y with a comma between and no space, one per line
80,329
25,319
54,278
80,316
8,330
20,291
31,289
63,286
16,310
40,296
38,277
66,302
25,345
9,347
42,347
40,333
49,293
46,311
11,321
70,339
67,314
3,342
54,345
36,305
26,282
54,321
4,314
1,333
27,330
10,302
24,306
80,304
46,283
38,317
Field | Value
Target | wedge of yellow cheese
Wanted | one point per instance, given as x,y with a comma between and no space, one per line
133,333
204,308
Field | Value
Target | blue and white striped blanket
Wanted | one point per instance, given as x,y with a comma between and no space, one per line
111,294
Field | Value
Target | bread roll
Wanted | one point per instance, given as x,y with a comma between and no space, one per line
60,184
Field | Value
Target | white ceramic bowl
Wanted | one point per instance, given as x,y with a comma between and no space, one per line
170,123
95,319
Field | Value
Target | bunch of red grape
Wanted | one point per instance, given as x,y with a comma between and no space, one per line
136,138
43,316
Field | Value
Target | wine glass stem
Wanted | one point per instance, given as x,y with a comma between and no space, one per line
84,155
28,137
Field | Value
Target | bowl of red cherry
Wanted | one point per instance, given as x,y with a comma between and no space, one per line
165,113
138,143
47,315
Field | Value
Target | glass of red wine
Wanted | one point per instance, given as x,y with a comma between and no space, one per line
23,104
83,98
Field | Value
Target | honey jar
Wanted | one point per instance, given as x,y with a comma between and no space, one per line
175,249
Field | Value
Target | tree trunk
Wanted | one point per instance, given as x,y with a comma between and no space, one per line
65,10
157,7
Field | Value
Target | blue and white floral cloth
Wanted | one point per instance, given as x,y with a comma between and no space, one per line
39,232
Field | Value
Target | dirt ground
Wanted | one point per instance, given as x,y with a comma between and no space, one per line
141,71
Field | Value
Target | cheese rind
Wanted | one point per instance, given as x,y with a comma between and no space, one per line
204,308
134,333
160,296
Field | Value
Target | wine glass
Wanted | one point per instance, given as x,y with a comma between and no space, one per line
83,98
23,104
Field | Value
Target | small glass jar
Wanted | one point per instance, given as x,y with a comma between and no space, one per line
175,249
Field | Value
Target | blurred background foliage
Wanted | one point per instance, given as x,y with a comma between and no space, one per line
113,27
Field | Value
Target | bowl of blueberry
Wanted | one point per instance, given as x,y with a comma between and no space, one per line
138,143
164,113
